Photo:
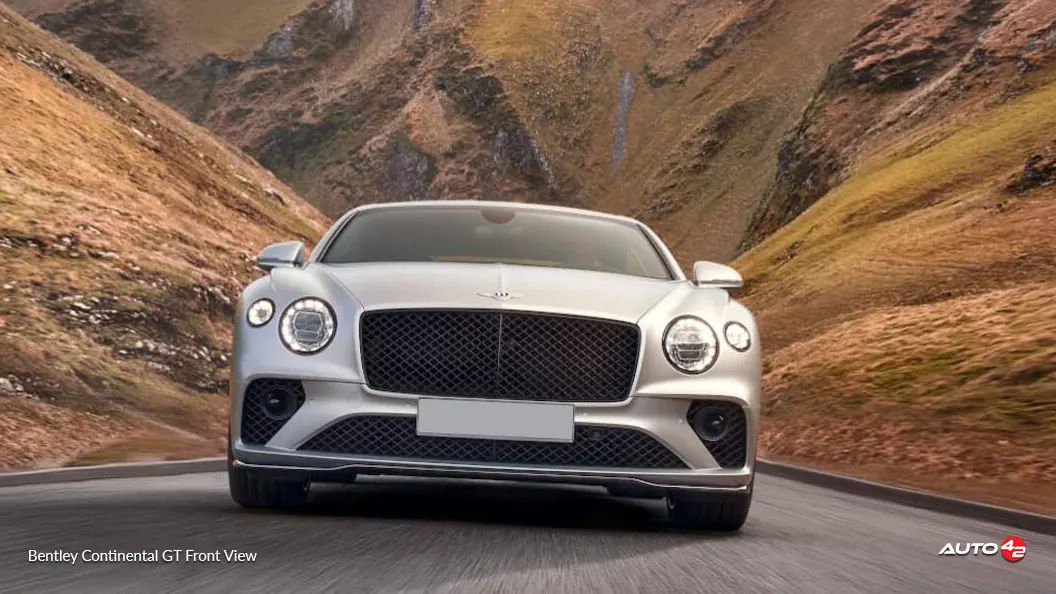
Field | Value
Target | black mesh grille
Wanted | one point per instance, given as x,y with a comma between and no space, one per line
257,427
502,355
731,450
397,437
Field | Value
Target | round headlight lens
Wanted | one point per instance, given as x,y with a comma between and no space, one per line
738,336
307,326
260,312
691,345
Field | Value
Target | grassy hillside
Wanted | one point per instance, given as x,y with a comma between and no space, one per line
126,234
915,305
915,70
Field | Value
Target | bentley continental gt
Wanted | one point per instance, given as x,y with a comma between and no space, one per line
495,340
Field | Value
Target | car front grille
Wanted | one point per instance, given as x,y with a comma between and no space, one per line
258,427
593,446
731,450
499,354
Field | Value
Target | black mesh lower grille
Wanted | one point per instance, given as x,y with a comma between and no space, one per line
397,437
499,354
258,427
731,450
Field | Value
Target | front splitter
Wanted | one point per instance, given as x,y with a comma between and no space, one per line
328,469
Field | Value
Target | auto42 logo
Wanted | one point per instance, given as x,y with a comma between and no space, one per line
1013,548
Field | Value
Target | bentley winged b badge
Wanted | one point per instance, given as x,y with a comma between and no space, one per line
500,295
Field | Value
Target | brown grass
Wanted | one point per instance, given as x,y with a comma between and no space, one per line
921,222
910,316
149,445
964,387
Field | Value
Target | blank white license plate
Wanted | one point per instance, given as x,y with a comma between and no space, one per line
528,421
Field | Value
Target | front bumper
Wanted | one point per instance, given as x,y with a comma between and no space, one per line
661,417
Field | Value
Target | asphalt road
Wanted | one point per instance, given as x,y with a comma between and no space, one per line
417,535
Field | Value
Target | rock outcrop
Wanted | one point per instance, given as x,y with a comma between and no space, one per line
916,63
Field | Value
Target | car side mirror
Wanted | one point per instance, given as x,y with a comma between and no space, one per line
286,253
720,276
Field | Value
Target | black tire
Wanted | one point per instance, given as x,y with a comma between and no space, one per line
255,492
693,511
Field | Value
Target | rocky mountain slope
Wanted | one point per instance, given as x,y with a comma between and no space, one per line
881,169
916,64
126,234
915,301
623,105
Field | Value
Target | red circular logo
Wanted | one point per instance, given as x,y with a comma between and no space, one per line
1013,549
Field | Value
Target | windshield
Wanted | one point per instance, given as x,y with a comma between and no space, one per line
496,235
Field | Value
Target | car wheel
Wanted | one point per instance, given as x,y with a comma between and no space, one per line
253,492
694,511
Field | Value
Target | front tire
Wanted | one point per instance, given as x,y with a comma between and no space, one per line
725,513
256,492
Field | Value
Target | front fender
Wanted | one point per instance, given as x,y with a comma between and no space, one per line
735,375
259,352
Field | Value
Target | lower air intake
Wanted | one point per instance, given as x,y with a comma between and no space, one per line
593,446
731,449
268,404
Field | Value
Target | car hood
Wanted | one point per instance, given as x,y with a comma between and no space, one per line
414,285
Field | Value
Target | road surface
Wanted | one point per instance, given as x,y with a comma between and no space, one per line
419,535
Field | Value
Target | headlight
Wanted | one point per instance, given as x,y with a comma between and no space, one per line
260,312
691,345
307,326
738,337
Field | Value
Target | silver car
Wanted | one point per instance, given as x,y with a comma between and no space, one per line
500,341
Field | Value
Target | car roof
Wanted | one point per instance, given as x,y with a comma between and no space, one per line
526,206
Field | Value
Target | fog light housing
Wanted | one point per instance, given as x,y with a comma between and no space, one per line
279,403
711,423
